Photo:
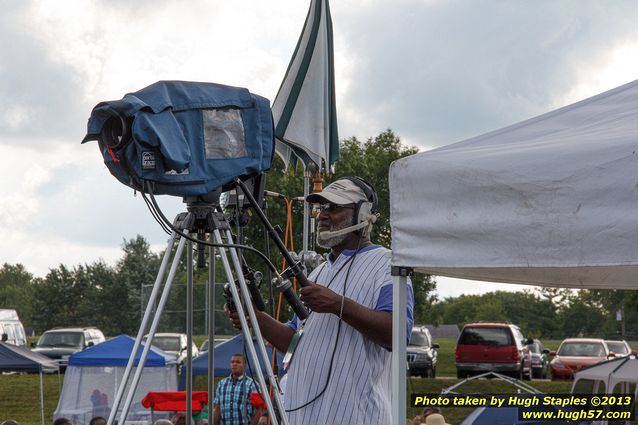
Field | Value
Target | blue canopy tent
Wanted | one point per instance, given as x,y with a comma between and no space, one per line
19,359
222,354
116,351
94,374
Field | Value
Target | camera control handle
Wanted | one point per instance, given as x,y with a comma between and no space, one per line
285,287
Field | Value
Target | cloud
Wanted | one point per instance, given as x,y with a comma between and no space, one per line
438,72
65,207
452,287
39,92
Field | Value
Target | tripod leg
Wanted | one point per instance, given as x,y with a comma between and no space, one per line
140,333
260,341
244,325
151,332
211,328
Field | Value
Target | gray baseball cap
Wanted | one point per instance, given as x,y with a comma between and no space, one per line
339,192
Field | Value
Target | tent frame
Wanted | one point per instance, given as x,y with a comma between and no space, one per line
399,324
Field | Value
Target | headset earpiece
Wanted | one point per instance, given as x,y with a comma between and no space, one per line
365,210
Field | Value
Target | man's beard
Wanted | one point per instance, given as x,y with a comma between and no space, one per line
330,242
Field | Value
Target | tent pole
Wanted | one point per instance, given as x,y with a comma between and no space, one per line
41,396
399,325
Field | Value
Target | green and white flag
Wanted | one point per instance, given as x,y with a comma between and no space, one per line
304,109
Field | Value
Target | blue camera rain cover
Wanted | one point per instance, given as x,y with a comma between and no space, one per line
186,138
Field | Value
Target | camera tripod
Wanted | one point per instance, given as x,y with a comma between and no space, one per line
202,218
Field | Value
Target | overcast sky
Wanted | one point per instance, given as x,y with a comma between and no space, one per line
434,71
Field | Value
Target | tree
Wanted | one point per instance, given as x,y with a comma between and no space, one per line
77,297
580,319
59,299
16,290
138,266
609,302
535,316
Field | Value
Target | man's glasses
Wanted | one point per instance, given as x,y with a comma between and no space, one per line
330,207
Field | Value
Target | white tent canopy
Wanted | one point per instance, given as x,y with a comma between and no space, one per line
548,201
611,377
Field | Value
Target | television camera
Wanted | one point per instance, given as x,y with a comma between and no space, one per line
196,141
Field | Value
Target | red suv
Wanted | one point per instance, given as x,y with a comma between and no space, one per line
496,347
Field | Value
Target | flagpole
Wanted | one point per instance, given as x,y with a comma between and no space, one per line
306,207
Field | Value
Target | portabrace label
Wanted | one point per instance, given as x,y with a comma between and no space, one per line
541,406
148,160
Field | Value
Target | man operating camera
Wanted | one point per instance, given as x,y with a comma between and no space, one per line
339,372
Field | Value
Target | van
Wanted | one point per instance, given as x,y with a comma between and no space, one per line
60,343
11,329
493,347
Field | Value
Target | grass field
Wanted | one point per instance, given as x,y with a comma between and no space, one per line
19,393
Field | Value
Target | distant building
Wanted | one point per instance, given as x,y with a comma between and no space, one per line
444,331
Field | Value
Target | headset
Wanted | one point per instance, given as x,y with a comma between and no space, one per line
365,212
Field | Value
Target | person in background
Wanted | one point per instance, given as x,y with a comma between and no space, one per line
435,419
97,420
232,397
179,418
430,410
9,422
62,421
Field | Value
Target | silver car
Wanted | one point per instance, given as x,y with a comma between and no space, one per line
619,348
173,343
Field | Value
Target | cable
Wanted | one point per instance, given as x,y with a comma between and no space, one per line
182,234
154,213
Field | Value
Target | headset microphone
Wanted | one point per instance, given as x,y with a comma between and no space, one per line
331,234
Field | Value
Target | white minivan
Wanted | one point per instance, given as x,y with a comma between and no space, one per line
11,329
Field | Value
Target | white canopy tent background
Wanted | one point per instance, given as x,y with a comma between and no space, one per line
549,201
615,376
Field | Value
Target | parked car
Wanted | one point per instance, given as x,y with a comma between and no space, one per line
619,348
540,359
496,347
11,329
60,343
575,354
173,343
422,354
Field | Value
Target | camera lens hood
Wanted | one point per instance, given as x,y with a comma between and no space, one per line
116,132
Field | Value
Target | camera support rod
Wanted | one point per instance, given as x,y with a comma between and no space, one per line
294,268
